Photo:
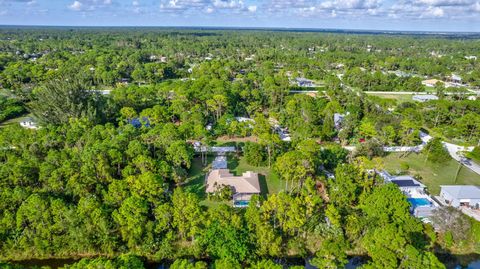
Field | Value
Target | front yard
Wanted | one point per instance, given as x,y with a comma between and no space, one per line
432,175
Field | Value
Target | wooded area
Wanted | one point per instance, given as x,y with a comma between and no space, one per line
104,176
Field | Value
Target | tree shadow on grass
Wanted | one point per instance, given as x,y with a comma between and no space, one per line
197,185
233,162
263,185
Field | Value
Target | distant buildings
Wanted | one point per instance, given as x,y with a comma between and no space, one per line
471,57
424,97
461,195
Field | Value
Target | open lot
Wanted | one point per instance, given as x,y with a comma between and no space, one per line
399,98
432,175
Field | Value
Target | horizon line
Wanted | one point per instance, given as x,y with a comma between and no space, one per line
274,28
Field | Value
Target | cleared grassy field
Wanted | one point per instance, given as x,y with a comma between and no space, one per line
400,98
432,175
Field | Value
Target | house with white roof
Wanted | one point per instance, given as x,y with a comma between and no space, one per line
461,195
424,97
29,123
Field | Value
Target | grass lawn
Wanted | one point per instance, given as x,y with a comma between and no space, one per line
432,175
269,181
399,98
196,177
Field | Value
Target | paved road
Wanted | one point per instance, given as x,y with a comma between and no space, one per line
455,151
411,93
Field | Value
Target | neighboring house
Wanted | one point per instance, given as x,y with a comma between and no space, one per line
338,119
422,205
424,98
455,78
461,195
408,184
197,146
29,123
431,82
243,187
303,82
243,119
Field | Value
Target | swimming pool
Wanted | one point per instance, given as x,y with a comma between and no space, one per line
416,202
241,203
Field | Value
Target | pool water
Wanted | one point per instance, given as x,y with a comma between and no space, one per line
416,202
241,203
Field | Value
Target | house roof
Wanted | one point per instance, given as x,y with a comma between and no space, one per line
462,191
431,81
247,183
425,97
405,183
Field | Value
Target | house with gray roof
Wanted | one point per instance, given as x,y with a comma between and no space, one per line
461,195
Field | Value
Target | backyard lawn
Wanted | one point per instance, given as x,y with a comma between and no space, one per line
432,175
269,181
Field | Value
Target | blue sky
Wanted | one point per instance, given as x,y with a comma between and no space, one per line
429,15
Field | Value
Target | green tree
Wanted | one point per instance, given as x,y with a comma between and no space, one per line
58,101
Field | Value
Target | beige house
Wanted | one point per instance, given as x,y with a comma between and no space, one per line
243,186
431,82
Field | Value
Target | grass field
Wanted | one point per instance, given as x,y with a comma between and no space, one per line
269,181
432,175
399,98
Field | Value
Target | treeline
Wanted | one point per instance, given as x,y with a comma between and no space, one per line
80,190
29,56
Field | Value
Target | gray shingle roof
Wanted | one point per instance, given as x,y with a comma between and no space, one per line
462,191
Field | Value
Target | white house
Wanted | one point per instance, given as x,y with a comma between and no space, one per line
29,123
424,97
461,195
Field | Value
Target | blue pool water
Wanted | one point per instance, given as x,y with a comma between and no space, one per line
241,203
416,202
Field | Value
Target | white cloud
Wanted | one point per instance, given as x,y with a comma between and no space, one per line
77,6
252,9
434,12
135,3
